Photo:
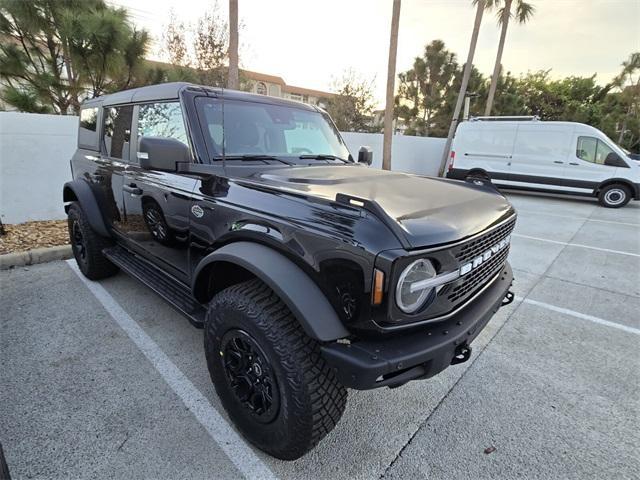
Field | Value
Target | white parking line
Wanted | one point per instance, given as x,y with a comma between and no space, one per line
577,218
242,456
619,252
582,316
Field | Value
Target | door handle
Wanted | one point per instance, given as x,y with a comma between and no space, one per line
573,163
133,189
557,161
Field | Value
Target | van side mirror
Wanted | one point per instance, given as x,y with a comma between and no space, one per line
614,160
160,153
365,155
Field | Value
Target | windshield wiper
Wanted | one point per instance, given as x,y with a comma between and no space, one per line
254,156
323,157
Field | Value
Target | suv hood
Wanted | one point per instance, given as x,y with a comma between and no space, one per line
429,211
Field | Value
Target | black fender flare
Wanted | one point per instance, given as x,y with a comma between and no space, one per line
294,287
80,191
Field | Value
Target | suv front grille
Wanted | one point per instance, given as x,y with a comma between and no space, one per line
476,247
464,287
478,276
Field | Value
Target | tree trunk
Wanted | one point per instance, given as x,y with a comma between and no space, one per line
391,76
463,86
233,45
496,69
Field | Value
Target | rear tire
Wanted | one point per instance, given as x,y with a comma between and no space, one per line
615,195
87,246
477,178
268,373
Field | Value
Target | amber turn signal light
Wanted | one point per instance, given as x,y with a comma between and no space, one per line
378,287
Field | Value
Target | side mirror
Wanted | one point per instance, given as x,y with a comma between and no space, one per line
160,153
365,155
614,160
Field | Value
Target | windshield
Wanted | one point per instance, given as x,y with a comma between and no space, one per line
255,129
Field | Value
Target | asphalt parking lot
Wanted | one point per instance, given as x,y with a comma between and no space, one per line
106,380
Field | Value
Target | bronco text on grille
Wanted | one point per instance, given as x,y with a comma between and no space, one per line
480,259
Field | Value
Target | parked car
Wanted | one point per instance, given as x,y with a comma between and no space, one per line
309,272
529,154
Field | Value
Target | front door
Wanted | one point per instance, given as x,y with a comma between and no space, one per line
157,203
587,166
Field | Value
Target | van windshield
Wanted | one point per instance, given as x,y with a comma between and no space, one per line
241,129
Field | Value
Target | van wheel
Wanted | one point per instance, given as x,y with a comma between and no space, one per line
614,196
87,246
268,373
477,178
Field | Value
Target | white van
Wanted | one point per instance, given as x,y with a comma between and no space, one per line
561,157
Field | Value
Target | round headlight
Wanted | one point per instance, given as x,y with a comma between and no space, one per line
410,294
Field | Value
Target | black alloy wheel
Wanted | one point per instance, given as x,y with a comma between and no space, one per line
78,244
156,224
250,375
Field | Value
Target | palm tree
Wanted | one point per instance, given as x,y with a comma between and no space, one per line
233,44
524,11
480,6
391,75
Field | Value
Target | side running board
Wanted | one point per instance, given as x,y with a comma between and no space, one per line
177,295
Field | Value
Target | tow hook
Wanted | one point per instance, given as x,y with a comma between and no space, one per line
461,355
508,298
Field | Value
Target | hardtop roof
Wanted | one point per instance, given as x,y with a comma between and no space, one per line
171,91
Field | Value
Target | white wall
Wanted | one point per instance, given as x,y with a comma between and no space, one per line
34,164
419,155
35,151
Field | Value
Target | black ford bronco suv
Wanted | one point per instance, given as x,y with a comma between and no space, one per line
309,271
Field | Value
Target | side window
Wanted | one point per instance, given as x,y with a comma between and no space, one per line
602,152
586,149
88,129
89,119
162,120
117,131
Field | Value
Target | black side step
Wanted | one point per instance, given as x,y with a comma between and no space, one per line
172,291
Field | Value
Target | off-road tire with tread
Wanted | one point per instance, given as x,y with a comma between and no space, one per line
94,265
621,193
312,400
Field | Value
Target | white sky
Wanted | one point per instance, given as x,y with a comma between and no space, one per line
311,42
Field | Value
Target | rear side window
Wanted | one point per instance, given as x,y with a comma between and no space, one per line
88,128
89,119
162,120
117,131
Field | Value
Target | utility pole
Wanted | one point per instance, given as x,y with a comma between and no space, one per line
391,76
232,82
463,86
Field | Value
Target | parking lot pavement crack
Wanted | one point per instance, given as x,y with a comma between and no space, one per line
445,396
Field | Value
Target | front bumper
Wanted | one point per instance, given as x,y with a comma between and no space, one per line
393,361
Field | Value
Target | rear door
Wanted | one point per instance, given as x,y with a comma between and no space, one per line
157,203
540,154
487,146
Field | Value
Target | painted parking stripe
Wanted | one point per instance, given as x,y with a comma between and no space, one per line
582,316
520,210
619,252
242,456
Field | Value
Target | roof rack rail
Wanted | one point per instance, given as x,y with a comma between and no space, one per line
531,118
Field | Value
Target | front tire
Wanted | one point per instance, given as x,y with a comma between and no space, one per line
268,373
87,246
614,196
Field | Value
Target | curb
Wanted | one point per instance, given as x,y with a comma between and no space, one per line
35,256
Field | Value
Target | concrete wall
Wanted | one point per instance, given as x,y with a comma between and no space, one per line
34,164
35,151
419,155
